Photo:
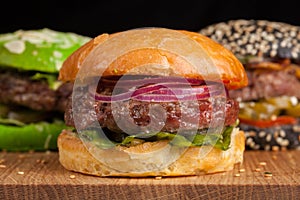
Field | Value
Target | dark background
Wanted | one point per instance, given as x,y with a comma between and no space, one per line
92,18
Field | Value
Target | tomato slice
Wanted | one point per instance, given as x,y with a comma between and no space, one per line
280,120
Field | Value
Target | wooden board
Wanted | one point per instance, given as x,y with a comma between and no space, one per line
40,176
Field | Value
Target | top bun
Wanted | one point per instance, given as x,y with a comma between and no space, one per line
42,50
269,39
218,62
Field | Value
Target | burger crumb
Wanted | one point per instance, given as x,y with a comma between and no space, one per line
2,161
72,176
274,157
20,172
158,178
2,166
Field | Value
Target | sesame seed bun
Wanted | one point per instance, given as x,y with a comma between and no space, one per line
257,37
270,52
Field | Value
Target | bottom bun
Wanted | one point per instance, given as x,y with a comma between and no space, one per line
272,138
128,161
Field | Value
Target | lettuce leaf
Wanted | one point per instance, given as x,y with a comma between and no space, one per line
219,141
51,79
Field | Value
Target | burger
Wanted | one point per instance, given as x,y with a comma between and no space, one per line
269,105
32,100
151,102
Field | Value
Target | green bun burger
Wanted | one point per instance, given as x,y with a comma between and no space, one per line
32,100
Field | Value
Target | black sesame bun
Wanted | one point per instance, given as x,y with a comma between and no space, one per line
269,105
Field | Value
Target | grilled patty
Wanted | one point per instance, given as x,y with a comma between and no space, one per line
268,83
184,115
20,90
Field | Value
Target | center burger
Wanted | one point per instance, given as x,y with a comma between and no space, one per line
153,109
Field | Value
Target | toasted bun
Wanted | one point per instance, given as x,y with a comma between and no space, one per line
257,38
42,50
228,67
74,156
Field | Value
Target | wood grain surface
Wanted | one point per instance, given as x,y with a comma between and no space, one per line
263,175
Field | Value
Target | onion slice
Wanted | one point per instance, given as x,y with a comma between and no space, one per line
126,82
168,91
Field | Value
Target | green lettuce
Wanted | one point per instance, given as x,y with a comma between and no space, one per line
219,141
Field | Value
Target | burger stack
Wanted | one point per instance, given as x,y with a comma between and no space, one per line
269,105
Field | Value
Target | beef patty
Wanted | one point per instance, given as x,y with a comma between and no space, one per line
204,113
21,90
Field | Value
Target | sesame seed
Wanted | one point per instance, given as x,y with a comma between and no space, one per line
296,128
2,166
268,137
249,141
282,133
279,140
267,147
275,148
242,170
158,178
257,169
262,163
268,174
20,172
262,134
237,175
285,142
72,176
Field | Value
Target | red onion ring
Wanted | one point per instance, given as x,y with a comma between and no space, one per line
162,93
124,82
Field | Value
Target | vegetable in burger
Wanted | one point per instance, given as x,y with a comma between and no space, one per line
269,105
151,102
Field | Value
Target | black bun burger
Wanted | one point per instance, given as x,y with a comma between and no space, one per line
151,112
32,100
269,105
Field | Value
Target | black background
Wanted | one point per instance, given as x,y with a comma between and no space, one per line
92,18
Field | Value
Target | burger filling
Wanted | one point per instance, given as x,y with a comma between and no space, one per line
269,106
30,97
192,108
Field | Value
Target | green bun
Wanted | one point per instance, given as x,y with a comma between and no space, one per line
39,136
42,50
